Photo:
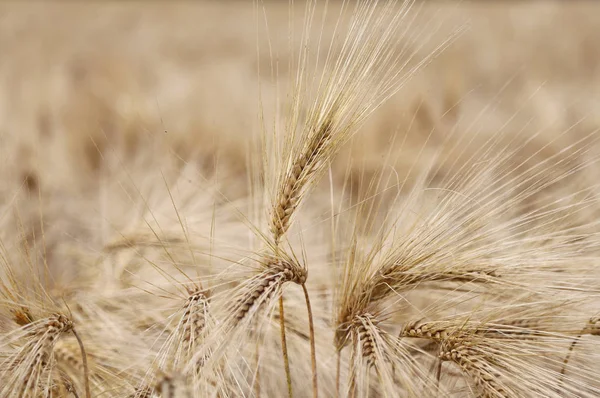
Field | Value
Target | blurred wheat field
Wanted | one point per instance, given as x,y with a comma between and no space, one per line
138,203
119,72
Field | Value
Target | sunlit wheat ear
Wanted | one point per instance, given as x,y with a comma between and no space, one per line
372,65
301,173
248,305
423,245
440,331
366,350
437,331
454,241
30,363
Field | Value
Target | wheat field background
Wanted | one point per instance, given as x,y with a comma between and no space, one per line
79,77
128,133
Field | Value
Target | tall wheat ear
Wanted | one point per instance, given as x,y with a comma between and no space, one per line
325,110
487,237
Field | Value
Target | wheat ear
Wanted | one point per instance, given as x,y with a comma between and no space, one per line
470,362
301,173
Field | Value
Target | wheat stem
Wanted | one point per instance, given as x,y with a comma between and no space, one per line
313,351
337,373
438,373
286,359
86,371
257,376
353,356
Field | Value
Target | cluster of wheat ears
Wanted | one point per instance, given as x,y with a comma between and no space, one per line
481,282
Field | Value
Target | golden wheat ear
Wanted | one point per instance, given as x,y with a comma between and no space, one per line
326,110
371,64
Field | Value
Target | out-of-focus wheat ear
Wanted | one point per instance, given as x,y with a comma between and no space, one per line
32,362
167,386
172,387
65,386
592,328
185,332
142,392
70,364
194,320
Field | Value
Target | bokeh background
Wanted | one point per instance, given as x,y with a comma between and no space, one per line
77,78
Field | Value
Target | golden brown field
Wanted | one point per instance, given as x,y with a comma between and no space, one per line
133,182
